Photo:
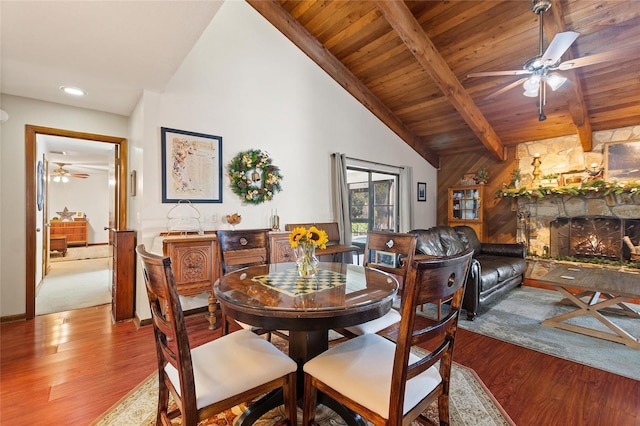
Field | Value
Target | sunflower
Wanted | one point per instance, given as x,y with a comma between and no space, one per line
313,235
318,237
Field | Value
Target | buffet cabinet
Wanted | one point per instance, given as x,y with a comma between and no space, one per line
465,207
123,275
77,232
280,249
195,261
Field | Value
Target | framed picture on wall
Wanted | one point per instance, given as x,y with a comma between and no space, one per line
422,191
621,161
191,167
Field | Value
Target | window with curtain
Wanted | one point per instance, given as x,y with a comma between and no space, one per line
373,201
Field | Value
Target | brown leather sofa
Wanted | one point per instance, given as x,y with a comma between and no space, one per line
495,269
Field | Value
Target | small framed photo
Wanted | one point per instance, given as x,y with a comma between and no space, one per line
191,167
386,259
422,191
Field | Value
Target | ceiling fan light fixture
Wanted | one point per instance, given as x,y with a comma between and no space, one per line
555,81
532,84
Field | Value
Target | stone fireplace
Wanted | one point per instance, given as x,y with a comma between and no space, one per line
581,226
592,236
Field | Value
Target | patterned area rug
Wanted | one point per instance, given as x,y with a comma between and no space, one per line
471,403
518,319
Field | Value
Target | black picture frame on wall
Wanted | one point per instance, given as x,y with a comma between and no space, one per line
422,191
191,166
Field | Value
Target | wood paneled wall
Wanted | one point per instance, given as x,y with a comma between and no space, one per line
501,220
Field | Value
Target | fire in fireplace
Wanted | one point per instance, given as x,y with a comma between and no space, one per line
593,236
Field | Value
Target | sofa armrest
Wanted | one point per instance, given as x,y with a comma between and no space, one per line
503,249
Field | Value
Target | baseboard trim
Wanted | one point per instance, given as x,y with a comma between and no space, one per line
13,318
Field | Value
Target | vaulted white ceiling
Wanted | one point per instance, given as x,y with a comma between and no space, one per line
112,49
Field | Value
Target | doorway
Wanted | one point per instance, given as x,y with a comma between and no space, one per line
36,190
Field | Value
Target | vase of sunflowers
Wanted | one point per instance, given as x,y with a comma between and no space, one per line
304,243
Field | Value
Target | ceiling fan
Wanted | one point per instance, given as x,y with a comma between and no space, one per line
539,69
62,175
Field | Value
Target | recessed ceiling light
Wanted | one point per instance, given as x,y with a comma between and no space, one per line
73,91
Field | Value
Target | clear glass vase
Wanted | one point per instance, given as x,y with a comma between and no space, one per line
306,260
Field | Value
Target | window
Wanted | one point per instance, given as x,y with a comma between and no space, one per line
373,201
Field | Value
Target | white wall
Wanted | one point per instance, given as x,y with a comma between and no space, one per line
23,111
246,82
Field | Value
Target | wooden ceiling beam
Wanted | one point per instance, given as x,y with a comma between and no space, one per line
576,104
298,34
410,32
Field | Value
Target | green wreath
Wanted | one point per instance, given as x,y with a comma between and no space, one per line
253,177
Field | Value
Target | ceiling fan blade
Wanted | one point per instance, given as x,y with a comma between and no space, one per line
612,55
497,73
507,88
560,43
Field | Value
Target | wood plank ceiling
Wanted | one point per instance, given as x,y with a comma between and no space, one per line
408,63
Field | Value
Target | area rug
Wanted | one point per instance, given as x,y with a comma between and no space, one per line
517,319
471,403
78,253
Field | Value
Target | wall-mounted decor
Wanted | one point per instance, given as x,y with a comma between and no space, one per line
40,186
622,161
254,178
422,191
191,167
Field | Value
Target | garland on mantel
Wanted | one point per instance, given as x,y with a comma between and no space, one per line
586,188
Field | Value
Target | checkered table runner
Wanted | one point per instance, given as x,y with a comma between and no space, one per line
289,283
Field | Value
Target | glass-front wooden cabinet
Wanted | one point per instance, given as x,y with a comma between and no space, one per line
466,207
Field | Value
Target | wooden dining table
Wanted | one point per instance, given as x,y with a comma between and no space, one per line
273,297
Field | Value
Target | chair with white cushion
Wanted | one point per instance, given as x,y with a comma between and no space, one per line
217,375
387,383
390,252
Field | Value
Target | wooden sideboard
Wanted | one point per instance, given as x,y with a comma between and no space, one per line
77,232
195,260
123,275
280,250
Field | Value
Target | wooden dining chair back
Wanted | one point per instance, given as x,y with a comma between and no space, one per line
391,384
214,376
391,252
242,248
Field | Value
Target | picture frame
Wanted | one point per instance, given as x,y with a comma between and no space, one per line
422,191
621,161
386,259
191,166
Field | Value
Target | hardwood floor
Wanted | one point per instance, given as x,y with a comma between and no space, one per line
69,368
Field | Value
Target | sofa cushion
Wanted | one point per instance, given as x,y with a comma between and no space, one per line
496,269
428,242
450,241
469,238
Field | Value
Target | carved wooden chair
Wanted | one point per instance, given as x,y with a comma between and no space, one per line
387,383
390,252
217,375
240,249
